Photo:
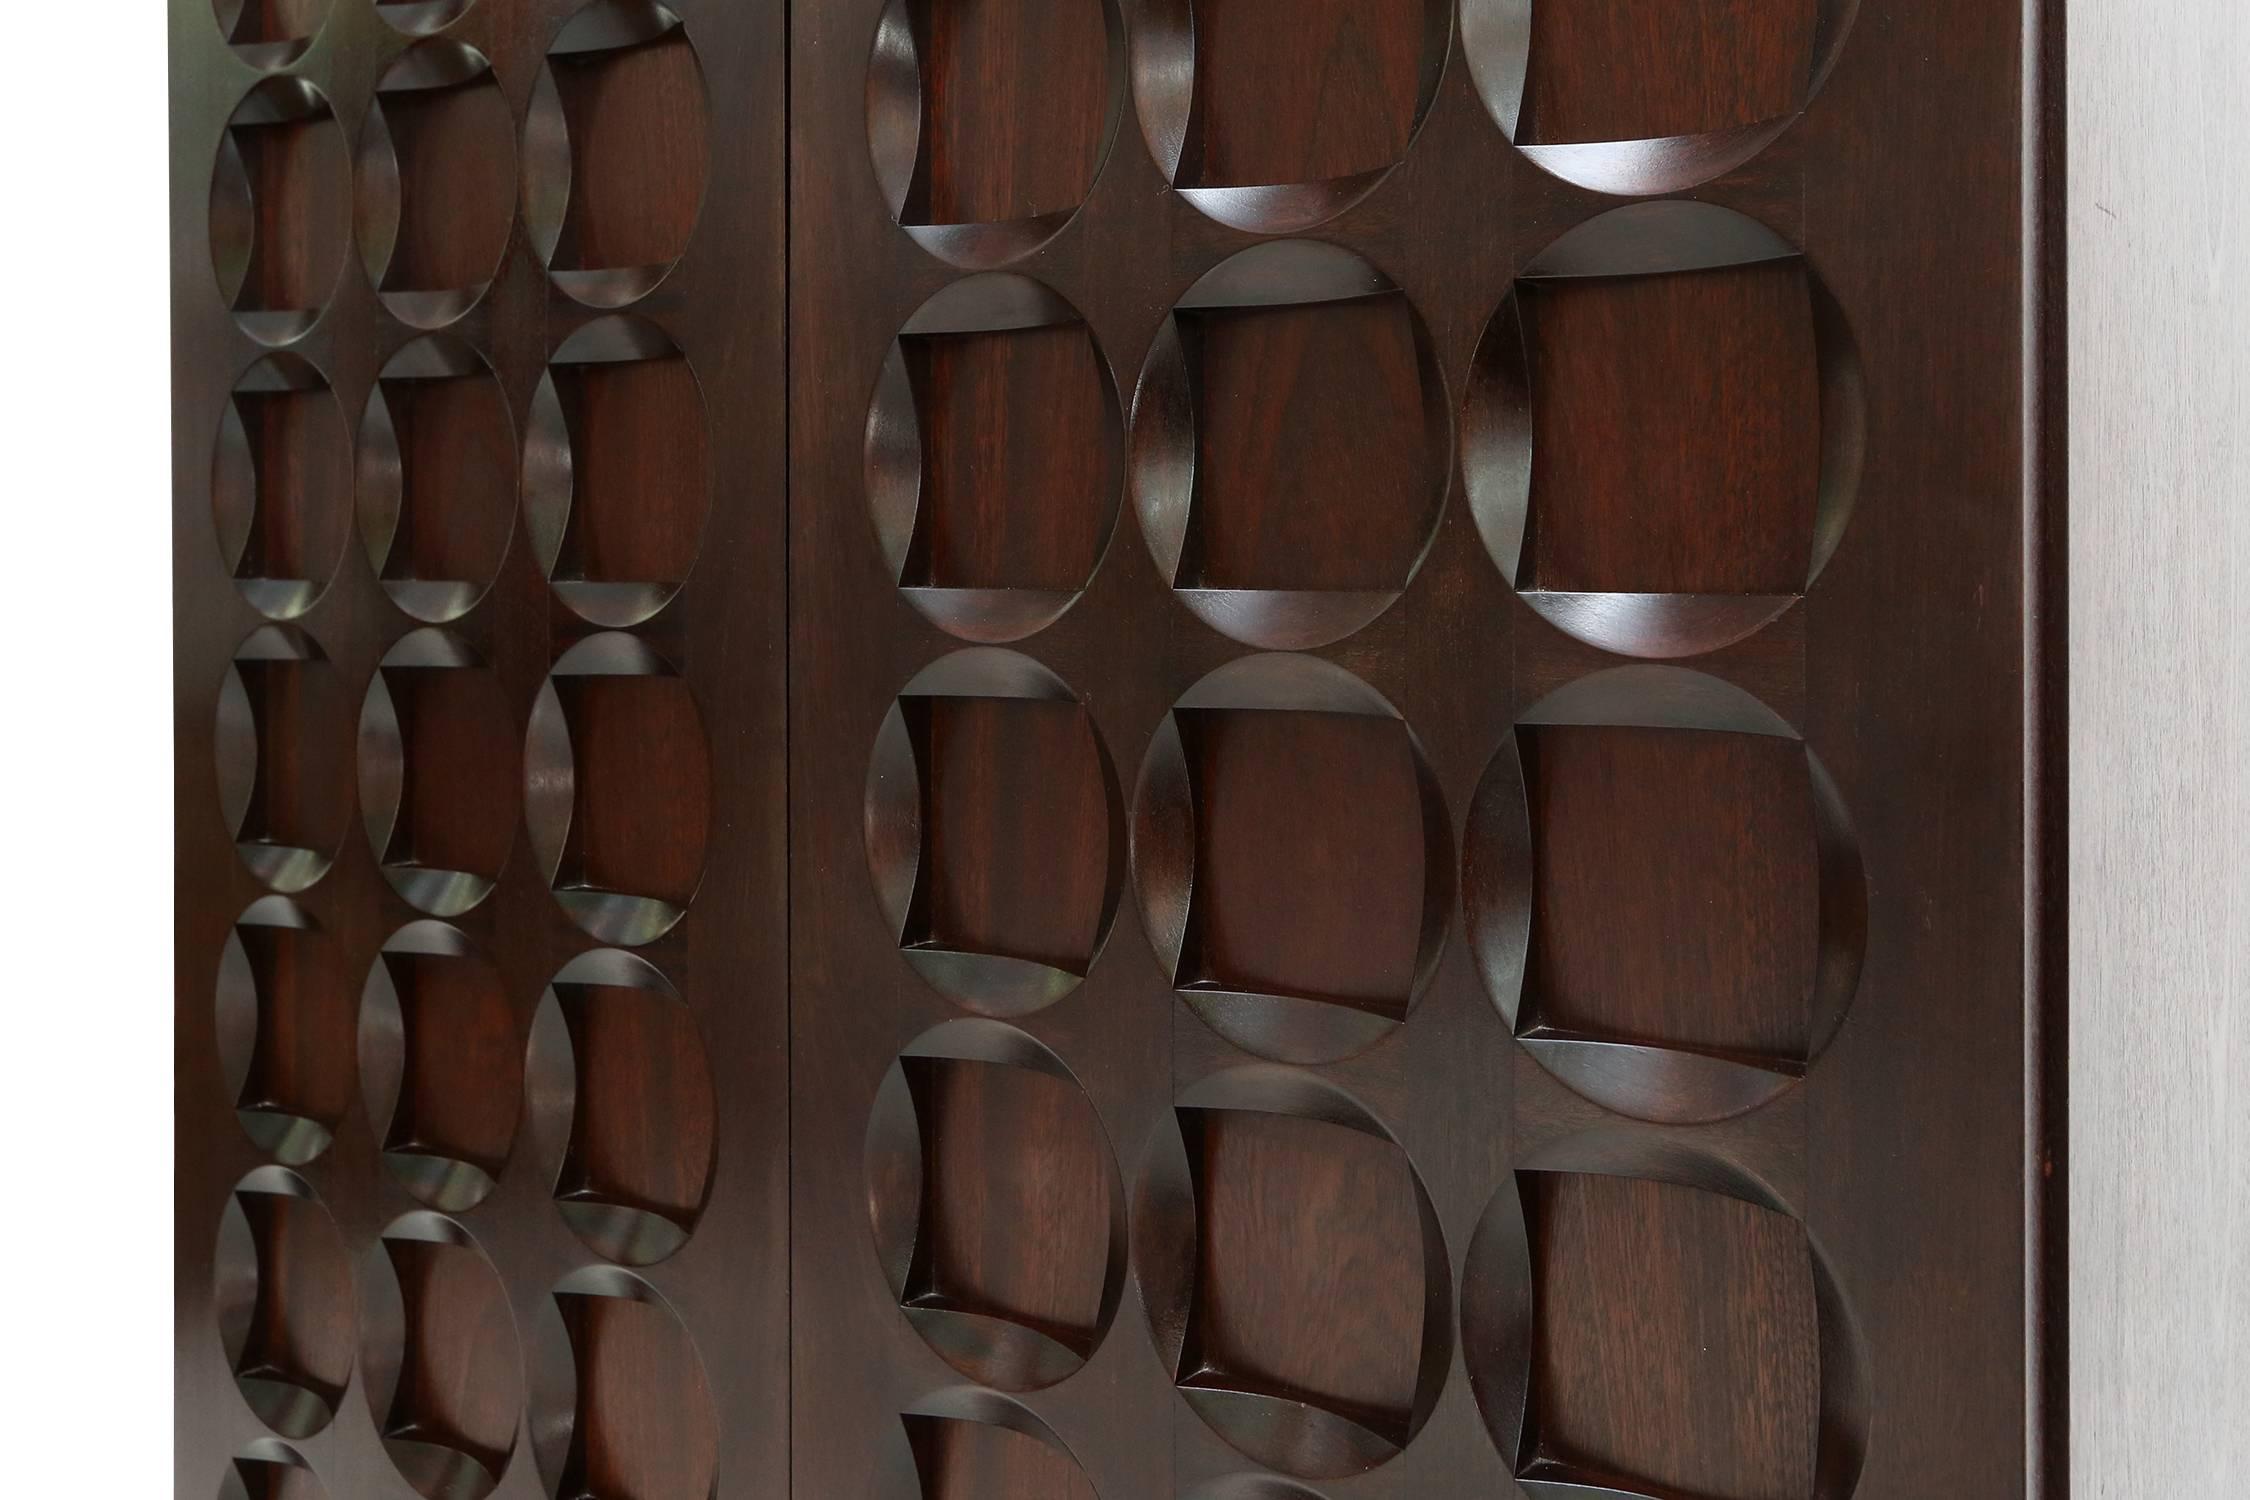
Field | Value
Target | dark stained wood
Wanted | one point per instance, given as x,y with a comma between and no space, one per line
1017,477
1303,90
960,1460
1675,887
1012,115
1326,906
1676,433
643,779
1334,1316
1313,465
461,1086
1676,1345
674,150
640,470
1622,70
1403,1070
1016,831
1015,1193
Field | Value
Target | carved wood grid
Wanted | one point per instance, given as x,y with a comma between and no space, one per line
478,332
1480,985
1373,1244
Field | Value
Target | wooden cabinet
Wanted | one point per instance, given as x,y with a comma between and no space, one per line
1147,749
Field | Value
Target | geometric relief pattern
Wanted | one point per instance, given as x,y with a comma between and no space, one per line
456,281
1661,892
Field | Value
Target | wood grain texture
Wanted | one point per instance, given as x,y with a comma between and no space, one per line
1621,70
2159,647
1012,113
1303,90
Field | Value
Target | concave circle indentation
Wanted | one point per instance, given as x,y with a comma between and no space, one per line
622,1113
1365,407
1278,1420
282,1295
280,209
617,471
284,1017
282,749
616,151
914,121
1651,240
617,789
1499,1295
437,772
269,1469
280,486
1038,838
982,1090
619,1401
956,526
441,1064
439,1358
270,34
1171,876
437,478
1186,116
436,180
1496,39
1669,1084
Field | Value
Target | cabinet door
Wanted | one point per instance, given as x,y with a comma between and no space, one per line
479,491
1414,727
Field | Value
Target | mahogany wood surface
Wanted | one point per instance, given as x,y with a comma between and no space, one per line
1109,749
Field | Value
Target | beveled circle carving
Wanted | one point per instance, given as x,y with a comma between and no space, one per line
255,729
267,1466
549,168
606,1216
894,460
421,17
267,36
1285,1431
1304,1029
437,1463
1163,61
989,1347
551,468
551,790
1496,41
552,1370
247,480
899,1471
268,313
387,771
427,67
437,1172
270,1370
992,984
1651,239
292,1131
388,512
1497,1311
1161,461
1670,1085
897,108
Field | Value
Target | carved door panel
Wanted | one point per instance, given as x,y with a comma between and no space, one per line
1116,749
1409,721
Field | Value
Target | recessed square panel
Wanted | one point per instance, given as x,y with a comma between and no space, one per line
644,1117
1300,91
643,1427
1014,105
1315,464
641,800
1618,70
640,470
457,1397
461,1067
1310,856
1309,1266
1017,833
1677,1344
1675,889
1717,377
957,1459
1018,459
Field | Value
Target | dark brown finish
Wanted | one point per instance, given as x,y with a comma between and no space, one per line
1245,751
482,1266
